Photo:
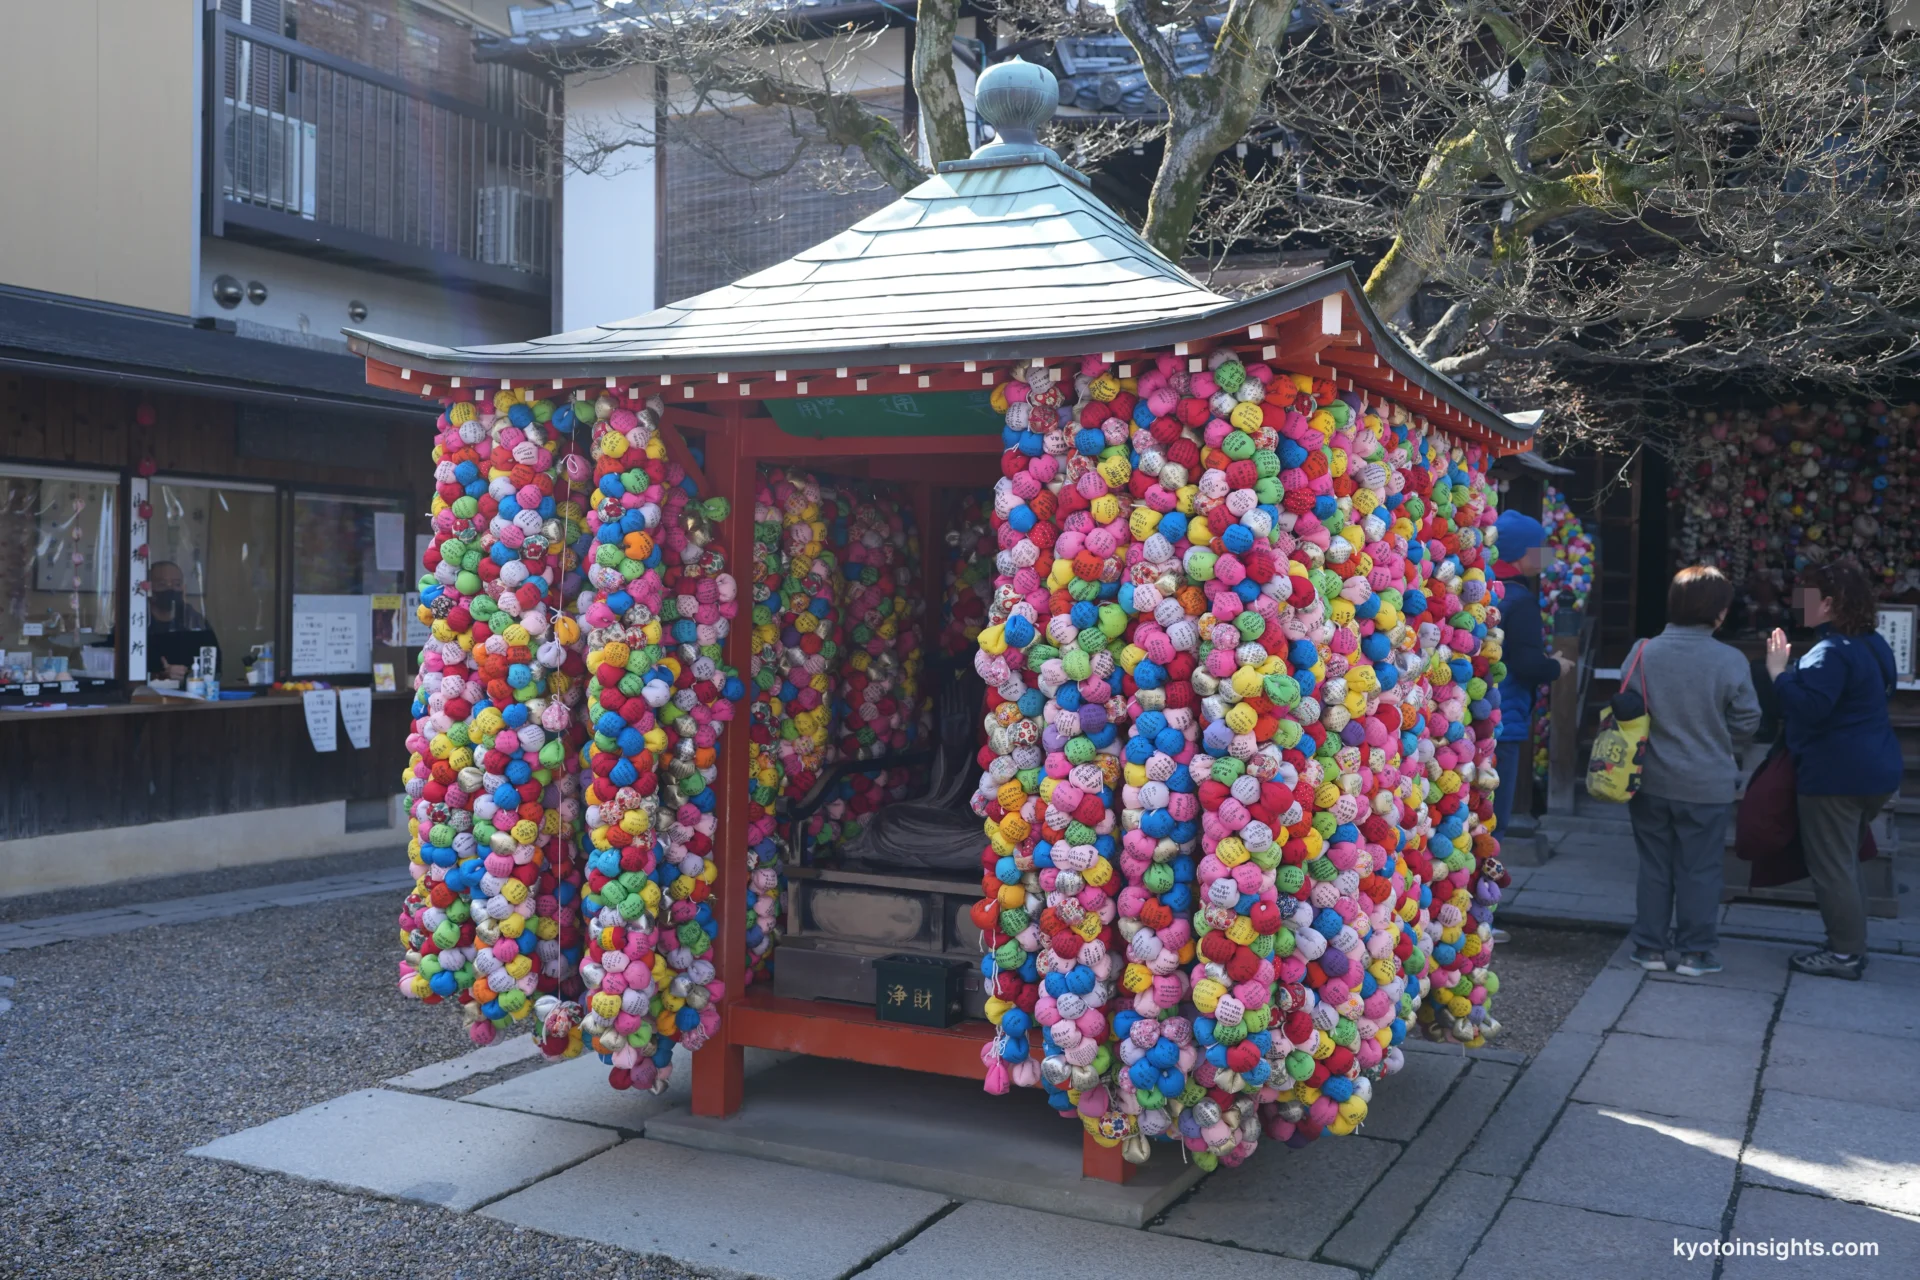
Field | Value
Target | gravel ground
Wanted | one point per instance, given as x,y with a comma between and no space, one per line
109,1081
1543,973
62,902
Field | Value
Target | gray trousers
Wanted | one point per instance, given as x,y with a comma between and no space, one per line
1830,829
1682,850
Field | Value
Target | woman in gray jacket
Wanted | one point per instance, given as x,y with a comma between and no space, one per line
1700,696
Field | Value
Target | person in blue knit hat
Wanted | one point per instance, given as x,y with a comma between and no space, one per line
1522,550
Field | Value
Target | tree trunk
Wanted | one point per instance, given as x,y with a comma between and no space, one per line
941,111
1207,113
1178,188
1399,274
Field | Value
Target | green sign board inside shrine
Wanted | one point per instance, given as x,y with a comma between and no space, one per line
917,413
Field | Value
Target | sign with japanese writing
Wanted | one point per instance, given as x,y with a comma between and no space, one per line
322,731
356,712
919,413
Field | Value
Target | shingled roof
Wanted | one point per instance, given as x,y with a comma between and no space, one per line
1007,255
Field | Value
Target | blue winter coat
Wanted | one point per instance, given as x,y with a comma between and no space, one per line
1834,702
1529,665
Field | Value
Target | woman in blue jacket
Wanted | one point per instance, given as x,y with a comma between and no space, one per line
1845,757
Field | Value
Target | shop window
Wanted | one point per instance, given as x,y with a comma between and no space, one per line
58,574
349,574
213,566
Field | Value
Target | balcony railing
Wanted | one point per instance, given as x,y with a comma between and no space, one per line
314,153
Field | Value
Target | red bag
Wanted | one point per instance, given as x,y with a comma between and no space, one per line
1766,830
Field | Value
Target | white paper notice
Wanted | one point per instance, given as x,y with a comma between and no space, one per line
356,711
320,704
137,584
389,541
1896,628
418,632
332,635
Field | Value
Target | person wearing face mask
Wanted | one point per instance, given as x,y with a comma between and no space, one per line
1846,759
176,631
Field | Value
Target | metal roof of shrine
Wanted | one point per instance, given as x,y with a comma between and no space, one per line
1005,256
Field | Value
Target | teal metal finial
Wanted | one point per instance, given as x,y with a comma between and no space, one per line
1016,98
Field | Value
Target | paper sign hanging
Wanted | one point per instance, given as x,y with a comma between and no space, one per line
320,704
356,711
332,635
137,581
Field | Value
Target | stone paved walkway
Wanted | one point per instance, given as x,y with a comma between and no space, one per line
43,930
1589,879
1664,1120
1665,1115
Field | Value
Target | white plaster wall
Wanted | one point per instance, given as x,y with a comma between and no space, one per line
608,236
114,855
308,296
609,232
100,100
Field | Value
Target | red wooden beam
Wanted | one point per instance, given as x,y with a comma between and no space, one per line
854,1033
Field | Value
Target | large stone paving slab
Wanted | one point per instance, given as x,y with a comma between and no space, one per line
1850,1151
1446,1229
1283,1200
1606,998
1671,1077
1805,1059
370,1141
1751,966
1768,1217
1619,1162
1428,1159
999,1240
1404,1100
1504,1148
1880,1005
1531,1241
479,1062
578,1090
938,1133
1720,1015
723,1214
1797,924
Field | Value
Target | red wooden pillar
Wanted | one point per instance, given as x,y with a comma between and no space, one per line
1104,1163
719,1068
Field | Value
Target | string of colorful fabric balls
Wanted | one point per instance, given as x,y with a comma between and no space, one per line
838,643
493,921
1243,659
1566,580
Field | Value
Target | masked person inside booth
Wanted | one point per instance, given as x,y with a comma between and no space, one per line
176,631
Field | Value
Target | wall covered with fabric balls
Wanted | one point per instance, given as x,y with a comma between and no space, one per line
1780,487
1243,652
1241,646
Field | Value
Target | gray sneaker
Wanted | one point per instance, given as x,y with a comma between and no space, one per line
1650,959
1697,964
1827,964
